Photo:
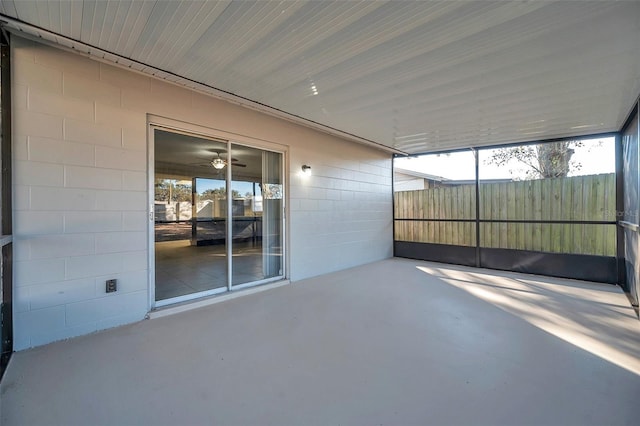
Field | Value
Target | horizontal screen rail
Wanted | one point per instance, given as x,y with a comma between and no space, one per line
559,222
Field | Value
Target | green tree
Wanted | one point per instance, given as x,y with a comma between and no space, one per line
162,190
168,190
218,194
182,193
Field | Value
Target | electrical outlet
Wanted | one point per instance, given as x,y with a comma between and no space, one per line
112,285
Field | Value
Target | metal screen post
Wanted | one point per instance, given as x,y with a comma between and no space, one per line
476,154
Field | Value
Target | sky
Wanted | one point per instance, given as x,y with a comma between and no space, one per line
596,156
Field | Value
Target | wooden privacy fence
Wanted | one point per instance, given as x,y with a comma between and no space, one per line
451,211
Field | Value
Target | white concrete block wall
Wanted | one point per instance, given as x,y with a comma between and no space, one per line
341,214
80,190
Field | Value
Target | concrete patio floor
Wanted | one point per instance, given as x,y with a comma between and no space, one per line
397,342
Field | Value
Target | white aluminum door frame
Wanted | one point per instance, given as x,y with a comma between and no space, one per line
169,125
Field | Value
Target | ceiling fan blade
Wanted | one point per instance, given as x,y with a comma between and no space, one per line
238,165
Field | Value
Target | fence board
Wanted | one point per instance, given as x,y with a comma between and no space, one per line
555,204
572,198
610,213
485,209
577,213
537,212
548,210
566,202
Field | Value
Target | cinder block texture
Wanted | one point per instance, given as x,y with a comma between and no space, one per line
81,190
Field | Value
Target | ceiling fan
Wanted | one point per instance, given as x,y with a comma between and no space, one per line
219,163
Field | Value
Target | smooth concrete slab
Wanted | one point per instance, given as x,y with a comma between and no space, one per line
397,342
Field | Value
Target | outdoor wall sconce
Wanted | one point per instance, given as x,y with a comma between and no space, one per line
306,170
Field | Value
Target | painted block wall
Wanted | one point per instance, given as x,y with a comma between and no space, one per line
80,190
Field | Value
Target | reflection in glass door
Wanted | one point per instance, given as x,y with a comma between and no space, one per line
205,191
257,216
189,217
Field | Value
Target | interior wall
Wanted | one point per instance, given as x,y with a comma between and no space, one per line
80,190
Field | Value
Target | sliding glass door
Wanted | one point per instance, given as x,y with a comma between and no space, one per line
217,216
257,216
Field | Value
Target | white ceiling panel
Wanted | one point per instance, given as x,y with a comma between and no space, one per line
440,71
416,76
8,8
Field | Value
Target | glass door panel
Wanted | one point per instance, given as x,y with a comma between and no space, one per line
209,233
203,195
257,193
190,216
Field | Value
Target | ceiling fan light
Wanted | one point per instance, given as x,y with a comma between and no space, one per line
218,163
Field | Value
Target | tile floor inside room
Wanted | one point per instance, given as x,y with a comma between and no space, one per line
185,269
